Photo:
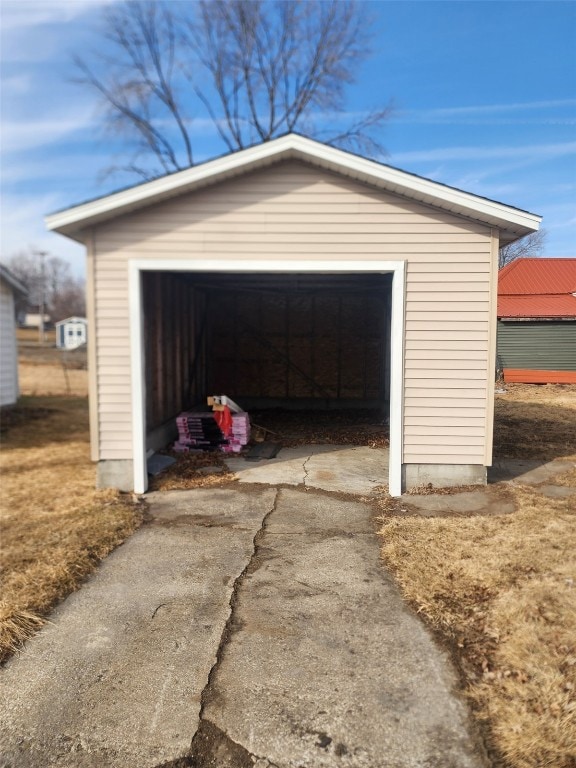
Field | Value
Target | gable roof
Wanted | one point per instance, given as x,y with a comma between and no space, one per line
537,288
512,222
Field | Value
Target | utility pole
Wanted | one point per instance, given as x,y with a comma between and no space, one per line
42,255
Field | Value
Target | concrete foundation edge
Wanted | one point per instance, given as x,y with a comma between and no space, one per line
119,473
443,475
115,473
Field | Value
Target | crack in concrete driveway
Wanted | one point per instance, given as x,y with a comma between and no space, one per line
241,627
204,738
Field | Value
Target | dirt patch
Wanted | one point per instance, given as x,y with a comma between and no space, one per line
493,501
338,427
193,470
212,748
14,416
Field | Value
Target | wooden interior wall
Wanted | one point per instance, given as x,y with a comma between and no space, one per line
170,329
324,343
322,340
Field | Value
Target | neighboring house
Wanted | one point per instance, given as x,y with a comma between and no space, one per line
9,285
294,273
537,321
71,333
32,320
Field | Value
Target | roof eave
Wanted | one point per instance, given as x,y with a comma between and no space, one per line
513,223
13,281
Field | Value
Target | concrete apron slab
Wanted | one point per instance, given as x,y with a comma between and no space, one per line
241,628
528,471
340,468
115,679
480,502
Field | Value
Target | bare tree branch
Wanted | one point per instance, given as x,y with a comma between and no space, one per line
137,85
531,245
258,68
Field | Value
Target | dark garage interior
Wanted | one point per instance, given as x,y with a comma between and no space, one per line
292,341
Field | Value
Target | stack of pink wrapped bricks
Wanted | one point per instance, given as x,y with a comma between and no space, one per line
239,435
226,427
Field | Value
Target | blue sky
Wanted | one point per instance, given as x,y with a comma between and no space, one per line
484,95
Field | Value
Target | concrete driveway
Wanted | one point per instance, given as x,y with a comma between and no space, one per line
240,627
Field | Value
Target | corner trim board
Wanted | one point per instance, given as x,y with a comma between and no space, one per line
93,393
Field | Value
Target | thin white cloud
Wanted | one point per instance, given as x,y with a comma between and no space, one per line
15,85
481,109
61,166
535,152
19,135
552,112
18,15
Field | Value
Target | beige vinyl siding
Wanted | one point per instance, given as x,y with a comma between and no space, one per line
8,351
295,211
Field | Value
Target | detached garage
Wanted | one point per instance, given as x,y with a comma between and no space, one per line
293,273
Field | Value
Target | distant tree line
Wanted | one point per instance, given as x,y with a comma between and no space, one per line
50,284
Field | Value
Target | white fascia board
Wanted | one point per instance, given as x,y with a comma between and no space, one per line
166,186
421,189
297,147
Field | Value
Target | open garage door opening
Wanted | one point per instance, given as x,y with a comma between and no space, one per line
303,353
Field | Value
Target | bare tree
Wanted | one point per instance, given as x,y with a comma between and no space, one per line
50,284
531,245
138,86
258,68
69,300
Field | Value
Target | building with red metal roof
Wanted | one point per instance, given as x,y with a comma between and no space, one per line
537,320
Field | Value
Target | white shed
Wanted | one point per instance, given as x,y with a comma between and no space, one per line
71,333
9,285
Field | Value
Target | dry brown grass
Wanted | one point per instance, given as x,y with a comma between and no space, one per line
32,336
501,590
51,379
55,526
535,422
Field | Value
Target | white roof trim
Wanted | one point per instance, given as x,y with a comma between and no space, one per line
511,221
73,319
